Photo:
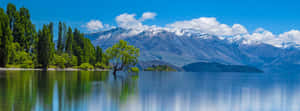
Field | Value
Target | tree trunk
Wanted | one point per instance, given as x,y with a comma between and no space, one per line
115,72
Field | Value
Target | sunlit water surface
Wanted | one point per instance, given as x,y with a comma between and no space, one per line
148,91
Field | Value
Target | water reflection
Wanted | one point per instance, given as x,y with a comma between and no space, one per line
172,91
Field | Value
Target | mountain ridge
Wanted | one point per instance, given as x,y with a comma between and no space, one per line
190,47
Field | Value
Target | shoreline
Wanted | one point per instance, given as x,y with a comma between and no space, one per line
49,69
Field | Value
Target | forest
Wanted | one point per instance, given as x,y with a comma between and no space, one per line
22,45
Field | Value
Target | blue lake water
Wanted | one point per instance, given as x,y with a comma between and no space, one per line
148,91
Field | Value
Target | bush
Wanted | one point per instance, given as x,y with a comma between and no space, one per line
59,61
20,57
86,66
134,70
102,66
70,60
27,64
12,66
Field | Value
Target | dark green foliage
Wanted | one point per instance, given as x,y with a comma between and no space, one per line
99,54
83,48
60,39
45,47
160,68
5,39
69,41
11,12
23,29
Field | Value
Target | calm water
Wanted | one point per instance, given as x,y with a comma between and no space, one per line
149,91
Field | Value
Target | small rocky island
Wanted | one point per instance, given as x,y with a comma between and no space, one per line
160,68
217,67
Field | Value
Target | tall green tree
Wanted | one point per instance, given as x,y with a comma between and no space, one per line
99,54
83,48
69,41
5,38
45,47
64,37
11,12
23,29
122,56
60,39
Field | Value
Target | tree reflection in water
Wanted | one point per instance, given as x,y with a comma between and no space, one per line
60,91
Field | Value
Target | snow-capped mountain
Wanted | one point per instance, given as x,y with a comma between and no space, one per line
182,47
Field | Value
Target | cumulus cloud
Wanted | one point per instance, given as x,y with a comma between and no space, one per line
261,35
148,15
128,21
209,25
291,36
94,25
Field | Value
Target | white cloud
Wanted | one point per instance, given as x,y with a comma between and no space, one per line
291,36
94,25
209,25
261,35
239,29
128,21
148,15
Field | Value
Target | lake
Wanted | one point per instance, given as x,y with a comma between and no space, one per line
148,91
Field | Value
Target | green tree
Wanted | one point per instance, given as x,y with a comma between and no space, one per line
60,39
45,47
69,41
5,38
11,12
59,61
98,55
122,56
83,48
23,29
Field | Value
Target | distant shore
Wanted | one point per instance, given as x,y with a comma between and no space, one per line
50,69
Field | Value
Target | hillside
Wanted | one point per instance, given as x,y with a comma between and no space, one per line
190,47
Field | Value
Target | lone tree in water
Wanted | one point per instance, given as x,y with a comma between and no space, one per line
122,56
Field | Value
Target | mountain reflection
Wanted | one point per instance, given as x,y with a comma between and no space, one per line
99,91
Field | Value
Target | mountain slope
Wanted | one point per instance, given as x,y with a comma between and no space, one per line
190,47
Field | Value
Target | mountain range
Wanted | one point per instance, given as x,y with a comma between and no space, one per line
188,46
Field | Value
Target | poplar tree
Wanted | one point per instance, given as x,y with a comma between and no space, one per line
5,38
11,12
69,41
60,35
45,47
99,54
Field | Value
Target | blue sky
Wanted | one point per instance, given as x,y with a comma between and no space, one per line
273,15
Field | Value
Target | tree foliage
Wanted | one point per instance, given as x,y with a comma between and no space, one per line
69,41
122,56
45,46
5,39
22,45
